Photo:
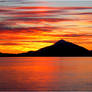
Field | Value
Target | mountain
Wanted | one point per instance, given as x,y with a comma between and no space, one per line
60,48
91,52
30,53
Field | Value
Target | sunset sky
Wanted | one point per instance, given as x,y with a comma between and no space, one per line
27,25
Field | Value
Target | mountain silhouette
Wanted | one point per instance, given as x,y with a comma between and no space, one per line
60,48
91,52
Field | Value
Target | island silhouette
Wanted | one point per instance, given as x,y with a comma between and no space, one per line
60,48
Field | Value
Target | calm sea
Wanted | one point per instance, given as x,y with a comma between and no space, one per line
45,73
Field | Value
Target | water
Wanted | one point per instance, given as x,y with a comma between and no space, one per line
45,73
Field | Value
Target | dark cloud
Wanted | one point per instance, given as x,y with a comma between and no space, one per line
9,43
39,11
77,35
70,35
26,30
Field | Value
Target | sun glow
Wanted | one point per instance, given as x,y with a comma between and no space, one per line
42,23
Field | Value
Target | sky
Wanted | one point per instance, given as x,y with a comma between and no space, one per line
28,25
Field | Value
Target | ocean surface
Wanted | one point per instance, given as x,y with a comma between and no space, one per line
45,73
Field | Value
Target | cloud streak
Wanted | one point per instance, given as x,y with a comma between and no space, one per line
24,28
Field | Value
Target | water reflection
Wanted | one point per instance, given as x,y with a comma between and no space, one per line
45,73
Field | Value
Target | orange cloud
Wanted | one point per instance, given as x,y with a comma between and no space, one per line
30,28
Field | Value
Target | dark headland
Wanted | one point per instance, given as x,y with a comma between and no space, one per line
59,49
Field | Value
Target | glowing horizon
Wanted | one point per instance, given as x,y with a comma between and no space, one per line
31,25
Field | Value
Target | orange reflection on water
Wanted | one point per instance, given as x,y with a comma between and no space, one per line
46,73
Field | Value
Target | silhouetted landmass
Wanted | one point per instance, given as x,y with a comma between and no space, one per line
7,55
91,52
60,48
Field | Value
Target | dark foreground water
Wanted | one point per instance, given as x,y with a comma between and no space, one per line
45,73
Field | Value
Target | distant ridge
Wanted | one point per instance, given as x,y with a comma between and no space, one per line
63,48
60,48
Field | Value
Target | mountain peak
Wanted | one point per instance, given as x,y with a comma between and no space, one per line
60,48
61,42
